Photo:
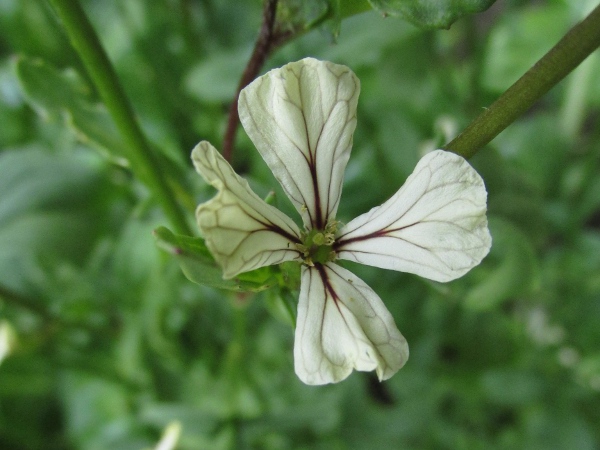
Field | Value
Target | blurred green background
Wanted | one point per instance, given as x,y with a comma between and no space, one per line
104,342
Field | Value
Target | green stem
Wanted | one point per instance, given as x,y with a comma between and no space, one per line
143,162
570,51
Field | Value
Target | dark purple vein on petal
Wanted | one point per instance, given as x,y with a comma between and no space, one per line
274,153
359,294
328,292
253,213
317,221
381,211
335,154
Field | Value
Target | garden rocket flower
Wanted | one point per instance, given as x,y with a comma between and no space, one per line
301,118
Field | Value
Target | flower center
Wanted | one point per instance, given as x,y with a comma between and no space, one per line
316,247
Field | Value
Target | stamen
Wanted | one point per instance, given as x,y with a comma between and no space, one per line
317,245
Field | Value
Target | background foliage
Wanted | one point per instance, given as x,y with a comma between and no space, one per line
104,341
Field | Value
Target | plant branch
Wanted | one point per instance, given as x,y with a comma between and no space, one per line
271,37
143,161
267,41
570,51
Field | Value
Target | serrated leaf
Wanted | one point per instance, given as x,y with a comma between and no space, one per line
431,14
199,266
63,94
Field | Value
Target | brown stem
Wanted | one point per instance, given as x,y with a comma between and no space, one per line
267,41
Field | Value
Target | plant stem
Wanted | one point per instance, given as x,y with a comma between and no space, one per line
262,49
143,162
269,39
570,51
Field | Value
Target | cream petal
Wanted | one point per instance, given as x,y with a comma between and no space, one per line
435,226
343,325
301,118
242,231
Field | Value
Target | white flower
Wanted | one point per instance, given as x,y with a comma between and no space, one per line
302,118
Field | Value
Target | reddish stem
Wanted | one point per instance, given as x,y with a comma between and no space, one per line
262,49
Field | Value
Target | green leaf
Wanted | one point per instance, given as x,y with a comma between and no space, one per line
511,387
199,266
53,208
516,273
431,14
334,22
214,79
518,40
281,304
63,94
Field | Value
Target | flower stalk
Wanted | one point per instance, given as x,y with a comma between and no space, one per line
262,49
144,163
565,56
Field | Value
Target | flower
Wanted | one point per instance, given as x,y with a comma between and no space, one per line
301,118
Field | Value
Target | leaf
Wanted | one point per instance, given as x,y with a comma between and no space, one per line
199,266
53,208
518,40
431,14
511,387
281,305
214,79
309,14
516,273
63,94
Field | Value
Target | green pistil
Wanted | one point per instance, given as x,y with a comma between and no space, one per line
322,254
317,245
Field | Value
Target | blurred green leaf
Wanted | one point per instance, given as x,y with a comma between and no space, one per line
334,14
519,40
431,13
306,15
63,94
99,414
30,27
363,43
199,266
53,207
511,387
517,271
281,305
215,78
